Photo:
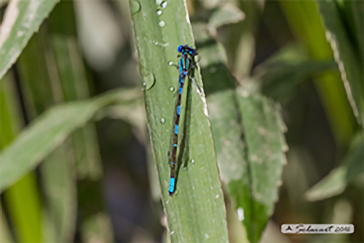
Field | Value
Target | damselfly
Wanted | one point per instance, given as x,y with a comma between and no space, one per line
185,64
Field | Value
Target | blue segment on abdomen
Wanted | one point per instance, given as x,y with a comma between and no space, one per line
176,129
171,185
178,110
180,90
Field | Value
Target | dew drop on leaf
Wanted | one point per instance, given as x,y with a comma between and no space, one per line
135,7
163,4
162,23
149,81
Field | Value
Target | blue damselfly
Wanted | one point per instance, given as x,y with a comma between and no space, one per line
185,64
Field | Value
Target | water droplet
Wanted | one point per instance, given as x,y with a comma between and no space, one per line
217,196
170,63
149,81
192,161
171,233
158,2
167,201
171,89
162,23
162,120
240,214
135,7
207,236
159,12
163,4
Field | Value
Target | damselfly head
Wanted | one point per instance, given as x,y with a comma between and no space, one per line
185,49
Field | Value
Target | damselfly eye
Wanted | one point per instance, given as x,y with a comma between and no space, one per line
180,48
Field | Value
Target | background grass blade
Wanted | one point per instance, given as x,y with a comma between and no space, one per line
280,75
225,14
49,131
347,51
196,212
306,24
26,218
21,20
336,182
5,236
240,48
59,179
74,85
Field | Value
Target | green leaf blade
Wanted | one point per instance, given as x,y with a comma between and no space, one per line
196,212
22,19
263,131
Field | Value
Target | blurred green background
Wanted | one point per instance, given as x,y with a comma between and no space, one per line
80,145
